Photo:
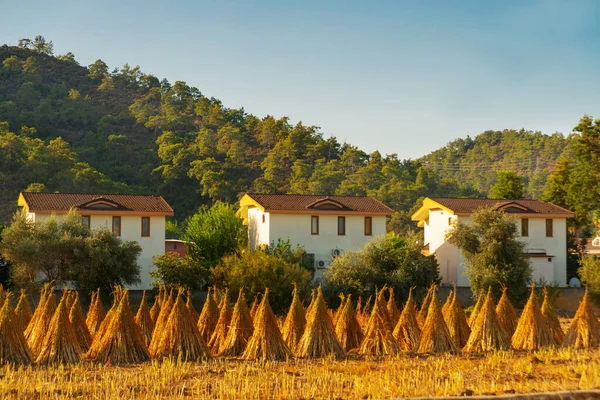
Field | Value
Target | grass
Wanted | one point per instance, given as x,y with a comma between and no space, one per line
445,375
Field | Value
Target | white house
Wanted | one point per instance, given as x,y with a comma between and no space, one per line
324,225
137,218
541,226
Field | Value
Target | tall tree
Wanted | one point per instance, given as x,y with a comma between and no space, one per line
509,186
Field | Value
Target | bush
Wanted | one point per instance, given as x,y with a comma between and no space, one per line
590,275
174,271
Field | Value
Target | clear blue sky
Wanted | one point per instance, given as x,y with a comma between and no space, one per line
401,77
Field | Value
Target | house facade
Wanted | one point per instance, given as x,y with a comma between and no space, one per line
541,226
325,226
137,218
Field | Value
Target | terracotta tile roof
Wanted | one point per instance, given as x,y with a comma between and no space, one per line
57,202
296,202
467,206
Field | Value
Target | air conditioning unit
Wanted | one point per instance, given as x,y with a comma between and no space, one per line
336,252
321,264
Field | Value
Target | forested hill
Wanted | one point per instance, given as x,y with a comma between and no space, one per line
72,128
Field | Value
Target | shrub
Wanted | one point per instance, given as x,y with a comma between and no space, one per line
174,271
590,275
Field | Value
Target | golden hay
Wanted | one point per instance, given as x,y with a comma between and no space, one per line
378,339
13,346
407,331
339,310
584,332
313,296
266,342
60,344
180,336
448,303
552,319
240,329
532,330
23,312
119,339
155,309
190,307
166,307
319,338
38,311
144,321
435,337
347,328
77,320
295,322
506,314
36,336
96,314
220,332
488,333
456,321
476,308
208,318
255,305
364,313
392,309
424,311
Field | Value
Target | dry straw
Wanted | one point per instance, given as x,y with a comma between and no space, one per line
35,336
424,311
266,342
532,330
476,308
552,319
363,313
347,328
155,309
337,313
255,305
319,338
584,332
392,308
165,310
144,320
448,303
506,314
378,339
78,322
240,329
23,311
60,344
13,346
220,332
96,313
407,330
456,321
435,337
295,321
488,334
208,318
190,307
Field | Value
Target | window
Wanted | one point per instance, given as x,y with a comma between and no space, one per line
341,226
449,221
368,226
145,226
314,225
116,226
86,220
549,228
524,227
263,218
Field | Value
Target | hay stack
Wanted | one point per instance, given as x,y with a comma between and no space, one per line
295,321
407,331
552,319
337,313
40,325
435,337
60,345
392,309
180,336
363,313
13,346
209,316
78,322
488,333
144,320
240,329
266,342
313,296
220,333
478,304
532,330
119,338
190,307
584,332
166,307
506,314
456,321
378,339
448,303
319,338
96,313
347,328
155,309
255,305
23,312
424,311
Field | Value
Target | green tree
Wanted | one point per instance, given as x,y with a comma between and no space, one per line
98,70
509,186
12,64
494,257
42,46
590,275
174,271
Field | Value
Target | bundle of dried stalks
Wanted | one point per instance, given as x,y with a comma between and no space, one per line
190,307
60,344
96,313
456,321
220,332
35,339
378,339
240,329
488,333
13,346
552,319
435,337
337,312
144,321
392,309
478,304
208,318
363,315
266,342
166,307
319,338
506,314
23,311
255,305
70,298
347,328
424,311
155,309
407,331
584,332
313,296
38,312
448,303
532,330
77,320
295,321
